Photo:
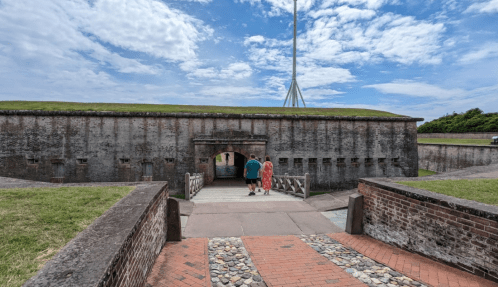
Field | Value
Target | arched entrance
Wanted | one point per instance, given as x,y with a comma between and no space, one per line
208,147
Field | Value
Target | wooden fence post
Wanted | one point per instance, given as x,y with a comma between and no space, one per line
187,186
285,181
307,181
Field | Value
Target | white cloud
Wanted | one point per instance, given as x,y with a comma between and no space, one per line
254,39
200,1
417,89
320,94
314,76
278,7
147,26
234,71
484,7
230,91
396,38
487,51
370,4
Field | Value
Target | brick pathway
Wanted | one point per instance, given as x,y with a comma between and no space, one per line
182,264
410,264
288,261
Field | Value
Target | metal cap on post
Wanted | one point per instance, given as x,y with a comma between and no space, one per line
187,186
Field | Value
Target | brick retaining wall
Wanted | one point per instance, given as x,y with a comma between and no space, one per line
118,249
458,232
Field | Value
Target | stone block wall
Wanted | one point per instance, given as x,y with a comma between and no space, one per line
458,232
64,146
118,249
449,157
482,135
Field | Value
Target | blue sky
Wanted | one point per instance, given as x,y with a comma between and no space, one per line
418,58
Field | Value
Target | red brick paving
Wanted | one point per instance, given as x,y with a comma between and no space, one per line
181,264
412,265
288,261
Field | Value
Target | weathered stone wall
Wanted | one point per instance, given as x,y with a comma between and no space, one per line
116,146
118,249
458,232
484,136
449,157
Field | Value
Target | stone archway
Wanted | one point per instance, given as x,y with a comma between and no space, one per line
207,147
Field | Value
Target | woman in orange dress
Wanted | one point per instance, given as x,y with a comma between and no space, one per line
267,171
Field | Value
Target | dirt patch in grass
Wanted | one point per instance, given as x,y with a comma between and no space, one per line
35,223
72,106
481,190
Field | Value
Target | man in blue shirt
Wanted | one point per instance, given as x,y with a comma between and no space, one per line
251,173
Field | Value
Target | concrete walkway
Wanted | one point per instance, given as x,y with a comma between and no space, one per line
223,219
225,209
238,194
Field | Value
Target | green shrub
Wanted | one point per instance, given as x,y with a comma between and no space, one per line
473,120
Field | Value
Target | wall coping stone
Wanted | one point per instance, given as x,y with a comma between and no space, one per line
463,205
460,145
86,259
459,133
203,115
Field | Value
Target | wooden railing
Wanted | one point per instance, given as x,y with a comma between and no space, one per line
193,183
295,185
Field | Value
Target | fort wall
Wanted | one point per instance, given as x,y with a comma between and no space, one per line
449,157
65,146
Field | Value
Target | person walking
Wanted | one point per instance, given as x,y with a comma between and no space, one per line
259,175
267,171
251,172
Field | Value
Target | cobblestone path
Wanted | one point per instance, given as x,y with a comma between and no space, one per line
412,265
336,259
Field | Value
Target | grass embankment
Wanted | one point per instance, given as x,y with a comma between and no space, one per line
35,223
454,141
482,190
71,106
425,172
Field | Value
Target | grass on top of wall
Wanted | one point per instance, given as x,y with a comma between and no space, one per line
35,223
425,172
454,141
482,190
73,106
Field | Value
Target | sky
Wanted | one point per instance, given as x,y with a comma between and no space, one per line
417,58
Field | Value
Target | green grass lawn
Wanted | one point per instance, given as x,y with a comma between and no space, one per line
35,223
455,141
425,172
482,190
72,106
180,196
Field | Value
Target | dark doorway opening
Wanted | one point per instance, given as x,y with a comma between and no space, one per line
229,168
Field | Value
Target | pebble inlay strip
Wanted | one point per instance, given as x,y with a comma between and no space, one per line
361,267
230,264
